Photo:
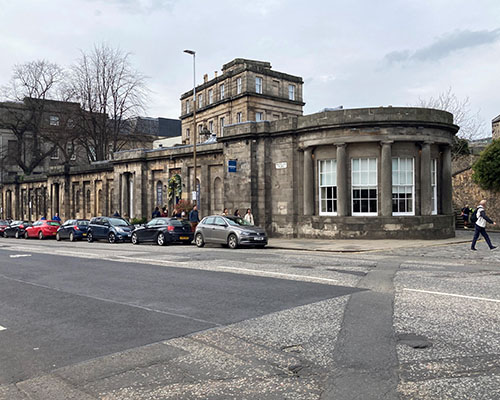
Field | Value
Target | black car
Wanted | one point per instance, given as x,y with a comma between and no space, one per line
112,229
73,229
16,229
164,231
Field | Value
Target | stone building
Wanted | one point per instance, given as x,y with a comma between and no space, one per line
367,173
495,124
247,90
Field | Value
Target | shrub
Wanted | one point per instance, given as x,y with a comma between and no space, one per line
487,167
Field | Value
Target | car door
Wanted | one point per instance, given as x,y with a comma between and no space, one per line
206,228
220,230
97,228
149,230
65,229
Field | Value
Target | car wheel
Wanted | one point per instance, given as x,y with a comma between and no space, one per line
40,235
232,241
160,239
71,237
135,239
26,235
111,237
58,237
90,237
199,240
17,235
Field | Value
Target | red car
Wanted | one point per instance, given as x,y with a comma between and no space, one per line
3,224
42,229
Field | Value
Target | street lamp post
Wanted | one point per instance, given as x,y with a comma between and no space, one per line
195,189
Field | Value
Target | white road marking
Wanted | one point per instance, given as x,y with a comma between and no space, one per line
453,295
2,328
19,255
257,272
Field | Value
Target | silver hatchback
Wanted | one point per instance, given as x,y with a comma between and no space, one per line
230,231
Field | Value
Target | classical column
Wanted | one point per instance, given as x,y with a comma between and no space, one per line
446,189
308,182
386,179
125,191
425,179
342,189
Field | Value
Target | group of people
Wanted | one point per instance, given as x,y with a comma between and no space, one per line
478,219
247,217
194,217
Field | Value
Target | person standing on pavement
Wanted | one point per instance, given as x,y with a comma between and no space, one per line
56,218
480,228
156,213
225,212
194,218
466,211
249,217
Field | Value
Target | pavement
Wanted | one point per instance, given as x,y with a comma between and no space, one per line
365,245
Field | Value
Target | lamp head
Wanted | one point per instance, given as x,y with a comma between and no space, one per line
192,52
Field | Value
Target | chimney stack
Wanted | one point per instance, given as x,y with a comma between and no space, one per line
215,73
205,78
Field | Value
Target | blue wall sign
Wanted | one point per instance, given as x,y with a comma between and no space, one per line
231,166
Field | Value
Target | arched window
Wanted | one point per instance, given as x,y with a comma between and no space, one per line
159,193
87,202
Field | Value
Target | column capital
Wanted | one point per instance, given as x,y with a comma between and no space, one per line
340,144
386,142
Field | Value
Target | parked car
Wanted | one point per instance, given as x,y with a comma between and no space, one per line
164,231
16,229
230,231
3,224
42,229
113,229
73,229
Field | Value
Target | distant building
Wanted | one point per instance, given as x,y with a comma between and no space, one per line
247,90
495,128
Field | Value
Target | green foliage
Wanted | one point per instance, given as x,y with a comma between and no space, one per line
487,167
174,187
138,221
184,205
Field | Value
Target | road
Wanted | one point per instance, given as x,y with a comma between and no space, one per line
102,321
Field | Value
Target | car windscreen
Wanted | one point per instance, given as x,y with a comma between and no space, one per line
118,222
2,222
238,222
84,223
53,223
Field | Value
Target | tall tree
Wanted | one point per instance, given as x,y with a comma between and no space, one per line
110,92
470,122
23,114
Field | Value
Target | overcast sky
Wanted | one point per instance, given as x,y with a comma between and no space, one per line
355,53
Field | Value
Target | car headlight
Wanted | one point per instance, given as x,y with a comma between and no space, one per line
120,230
244,233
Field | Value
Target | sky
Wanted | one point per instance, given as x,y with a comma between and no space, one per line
356,53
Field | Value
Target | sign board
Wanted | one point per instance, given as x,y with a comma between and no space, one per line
231,166
193,196
281,165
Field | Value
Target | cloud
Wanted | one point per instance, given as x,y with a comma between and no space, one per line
444,46
140,6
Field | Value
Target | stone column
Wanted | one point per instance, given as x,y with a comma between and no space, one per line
342,189
446,189
386,179
308,182
425,179
124,197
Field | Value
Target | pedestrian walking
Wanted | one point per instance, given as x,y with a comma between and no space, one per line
194,218
480,228
466,211
249,217
225,212
156,212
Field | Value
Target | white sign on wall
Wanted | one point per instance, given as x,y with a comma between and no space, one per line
281,165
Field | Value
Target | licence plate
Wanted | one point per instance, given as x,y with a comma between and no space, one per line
259,238
184,237
84,234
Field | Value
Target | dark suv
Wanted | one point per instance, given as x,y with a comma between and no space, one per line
113,229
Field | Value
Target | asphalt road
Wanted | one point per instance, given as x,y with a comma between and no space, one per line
60,310
99,321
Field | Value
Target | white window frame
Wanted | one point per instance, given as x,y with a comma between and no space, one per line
210,96
291,92
258,84
211,126
323,171
71,150
188,108
222,91
368,186
259,116
239,117
200,101
434,183
54,120
238,85
397,185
